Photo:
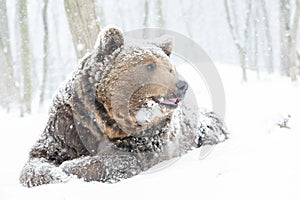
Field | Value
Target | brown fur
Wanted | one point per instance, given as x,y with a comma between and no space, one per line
133,73
92,131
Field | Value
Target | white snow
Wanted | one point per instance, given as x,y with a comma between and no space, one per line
148,113
259,161
80,47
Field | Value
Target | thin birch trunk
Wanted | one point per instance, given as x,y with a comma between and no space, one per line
25,55
45,54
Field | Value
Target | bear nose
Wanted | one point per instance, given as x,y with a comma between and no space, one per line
182,86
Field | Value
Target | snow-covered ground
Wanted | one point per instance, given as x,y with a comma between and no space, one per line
259,161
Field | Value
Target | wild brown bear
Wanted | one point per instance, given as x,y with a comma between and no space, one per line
120,113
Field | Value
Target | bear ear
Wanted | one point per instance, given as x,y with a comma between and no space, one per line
109,39
164,42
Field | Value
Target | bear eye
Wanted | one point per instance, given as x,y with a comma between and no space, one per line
151,67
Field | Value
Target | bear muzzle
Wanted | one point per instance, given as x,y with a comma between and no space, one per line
181,87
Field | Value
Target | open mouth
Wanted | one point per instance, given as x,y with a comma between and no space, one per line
171,102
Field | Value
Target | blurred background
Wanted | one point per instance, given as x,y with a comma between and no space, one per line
42,40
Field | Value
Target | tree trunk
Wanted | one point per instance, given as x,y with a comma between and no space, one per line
146,16
266,21
186,17
242,56
25,54
245,49
284,26
8,81
45,56
160,16
288,36
293,43
256,38
83,24
233,27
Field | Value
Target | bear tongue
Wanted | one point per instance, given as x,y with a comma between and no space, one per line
174,101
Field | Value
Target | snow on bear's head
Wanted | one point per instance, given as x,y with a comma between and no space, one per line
139,88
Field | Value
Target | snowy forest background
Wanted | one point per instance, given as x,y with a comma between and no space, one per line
41,41
255,47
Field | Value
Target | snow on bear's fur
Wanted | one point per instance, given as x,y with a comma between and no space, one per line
120,113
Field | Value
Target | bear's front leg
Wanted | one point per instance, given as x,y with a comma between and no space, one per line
108,168
38,171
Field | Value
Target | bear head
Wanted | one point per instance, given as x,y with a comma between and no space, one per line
139,88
